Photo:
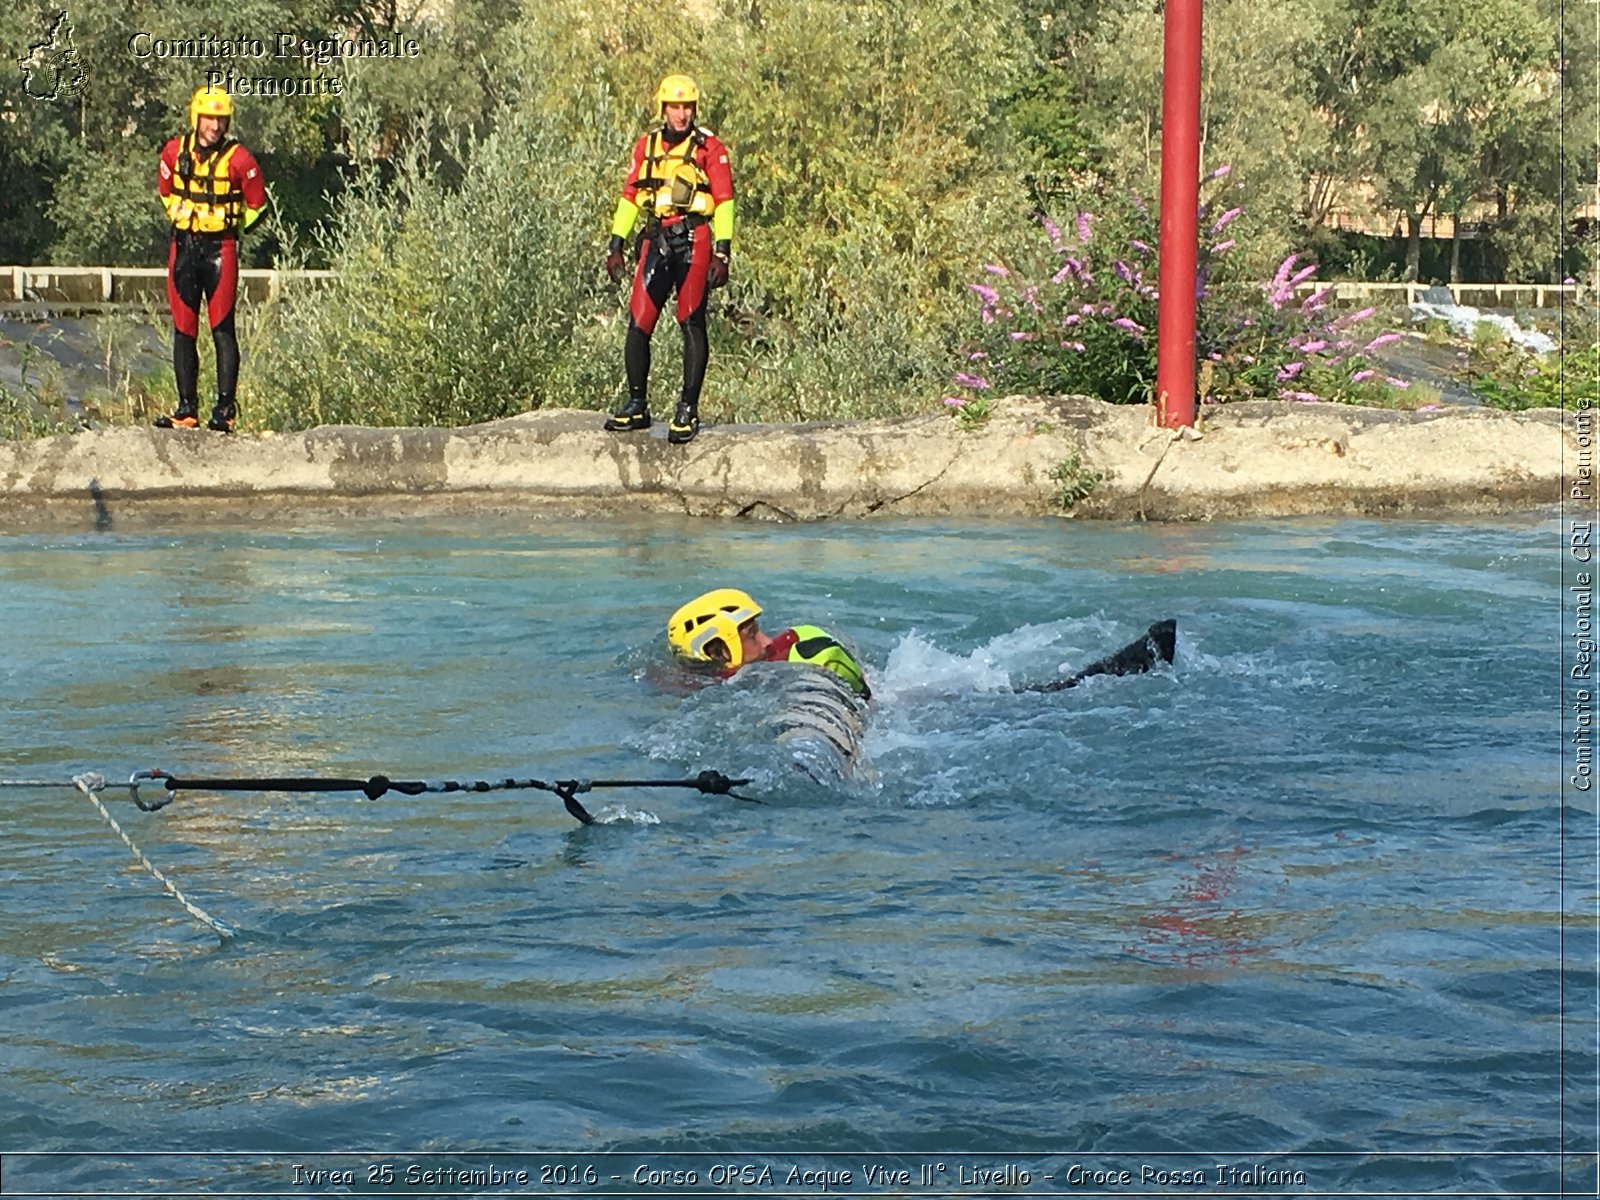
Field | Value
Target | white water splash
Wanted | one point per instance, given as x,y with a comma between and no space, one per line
1463,319
917,668
621,814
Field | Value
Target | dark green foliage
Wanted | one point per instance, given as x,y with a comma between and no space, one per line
1511,378
883,151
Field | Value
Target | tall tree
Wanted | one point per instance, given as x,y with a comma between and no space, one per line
1444,106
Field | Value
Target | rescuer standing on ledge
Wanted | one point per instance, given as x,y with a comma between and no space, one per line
211,188
681,181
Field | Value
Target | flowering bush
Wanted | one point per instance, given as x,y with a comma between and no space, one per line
1080,318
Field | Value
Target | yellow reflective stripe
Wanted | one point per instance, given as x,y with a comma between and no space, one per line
623,219
722,222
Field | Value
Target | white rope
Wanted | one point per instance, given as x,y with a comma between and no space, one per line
89,785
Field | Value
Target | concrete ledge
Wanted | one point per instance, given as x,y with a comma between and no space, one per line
1250,460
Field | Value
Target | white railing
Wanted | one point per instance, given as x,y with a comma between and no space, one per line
1479,295
101,287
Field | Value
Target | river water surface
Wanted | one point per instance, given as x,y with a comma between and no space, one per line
1306,906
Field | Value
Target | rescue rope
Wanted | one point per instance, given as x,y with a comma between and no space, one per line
91,785
711,783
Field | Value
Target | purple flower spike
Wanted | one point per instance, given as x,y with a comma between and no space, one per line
1289,370
1220,247
1355,317
977,382
1226,219
1052,230
955,401
1363,375
1219,173
996,269
1130,325
987,294
1084,229
1396,383
1281,275
1383,339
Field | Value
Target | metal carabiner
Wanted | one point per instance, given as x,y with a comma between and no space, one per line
133,790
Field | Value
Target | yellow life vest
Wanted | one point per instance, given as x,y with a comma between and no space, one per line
821,649
672,179
204,197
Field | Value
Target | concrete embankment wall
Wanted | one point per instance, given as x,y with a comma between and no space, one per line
1030,459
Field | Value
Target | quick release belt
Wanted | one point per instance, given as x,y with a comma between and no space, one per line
687,223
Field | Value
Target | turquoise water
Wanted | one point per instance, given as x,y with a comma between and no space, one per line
1294,904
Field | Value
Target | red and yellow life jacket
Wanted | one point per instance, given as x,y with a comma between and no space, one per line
672,180
204,197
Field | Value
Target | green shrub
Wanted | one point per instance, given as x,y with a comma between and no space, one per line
1509,377
451,303
1074,482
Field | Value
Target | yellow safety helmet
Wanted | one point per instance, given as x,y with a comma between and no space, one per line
676,89
209,101
716,616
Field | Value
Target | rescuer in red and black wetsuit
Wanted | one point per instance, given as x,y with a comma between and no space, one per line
681,181
212,189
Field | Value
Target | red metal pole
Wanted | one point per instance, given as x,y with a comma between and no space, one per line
1180,196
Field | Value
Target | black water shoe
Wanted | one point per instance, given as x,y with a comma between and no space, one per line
187,417
630,418
685,423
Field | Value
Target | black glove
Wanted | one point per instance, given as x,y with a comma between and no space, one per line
717,272
615,263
